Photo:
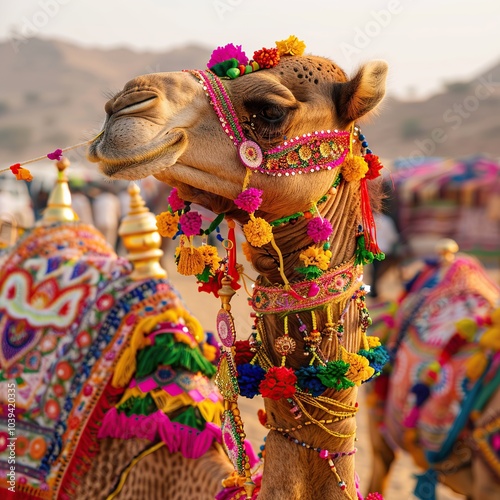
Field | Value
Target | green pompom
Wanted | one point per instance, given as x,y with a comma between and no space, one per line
220,69
310,272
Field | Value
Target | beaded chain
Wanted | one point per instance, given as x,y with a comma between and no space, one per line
325,455
305,424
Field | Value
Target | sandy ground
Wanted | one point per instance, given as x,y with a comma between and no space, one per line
205,307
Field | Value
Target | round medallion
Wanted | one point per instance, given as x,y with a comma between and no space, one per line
284,345
225,328
250,154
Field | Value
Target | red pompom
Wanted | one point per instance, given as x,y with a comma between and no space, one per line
374,166
278,383
243,353
266,58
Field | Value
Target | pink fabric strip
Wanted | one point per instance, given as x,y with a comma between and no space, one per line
336,284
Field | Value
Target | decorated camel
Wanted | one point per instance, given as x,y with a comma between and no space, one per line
273,145
438,398
106,378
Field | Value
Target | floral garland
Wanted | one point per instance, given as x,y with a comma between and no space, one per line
280,382
231,61
203,262
256,374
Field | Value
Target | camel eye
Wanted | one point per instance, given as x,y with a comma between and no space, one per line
272,114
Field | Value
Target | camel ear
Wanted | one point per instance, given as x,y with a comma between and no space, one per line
361,94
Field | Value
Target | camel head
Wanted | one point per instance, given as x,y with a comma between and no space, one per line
164,125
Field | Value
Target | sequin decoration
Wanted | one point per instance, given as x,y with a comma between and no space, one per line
225,328
225,379
232,441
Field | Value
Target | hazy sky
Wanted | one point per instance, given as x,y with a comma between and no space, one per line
426,42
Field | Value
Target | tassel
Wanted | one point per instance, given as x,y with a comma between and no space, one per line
475,365
190,261
411,419
422,392
362,255
369,228
426,485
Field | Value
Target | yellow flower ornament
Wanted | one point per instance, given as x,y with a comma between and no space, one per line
291,46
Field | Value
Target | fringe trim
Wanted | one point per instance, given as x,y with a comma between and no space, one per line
22,492
88,444
191,442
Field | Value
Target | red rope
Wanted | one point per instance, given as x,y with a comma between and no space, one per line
369,227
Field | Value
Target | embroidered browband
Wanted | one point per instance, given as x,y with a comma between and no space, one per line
337,284
323,150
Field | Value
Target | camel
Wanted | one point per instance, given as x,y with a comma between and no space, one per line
164,125
439,400
69,307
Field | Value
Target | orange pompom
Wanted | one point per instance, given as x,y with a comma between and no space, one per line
23,174
354,168
167,224
258,232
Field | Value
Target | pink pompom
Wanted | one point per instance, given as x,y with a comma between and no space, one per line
55,155
374,496
190,223
229,51
249,200
495,441
319,229
174,201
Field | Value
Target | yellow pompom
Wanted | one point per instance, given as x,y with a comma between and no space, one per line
258,232
209,351
190,261
475,365
234,480
495,316
291,46
316,256
210,257
372,341
354,168
359,367
491,338
167,223
467,328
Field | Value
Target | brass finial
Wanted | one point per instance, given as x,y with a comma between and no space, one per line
446,249
59,207
141,238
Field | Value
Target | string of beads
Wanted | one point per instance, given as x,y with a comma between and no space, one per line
325,455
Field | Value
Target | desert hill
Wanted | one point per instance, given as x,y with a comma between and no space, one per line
52,95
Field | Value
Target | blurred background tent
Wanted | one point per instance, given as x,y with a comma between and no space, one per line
452,198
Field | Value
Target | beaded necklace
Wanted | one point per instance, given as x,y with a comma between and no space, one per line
325,455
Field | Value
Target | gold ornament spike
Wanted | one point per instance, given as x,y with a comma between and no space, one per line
59,207
141,238
226,293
